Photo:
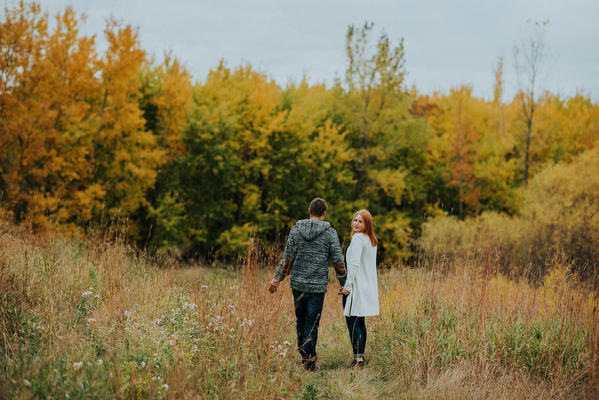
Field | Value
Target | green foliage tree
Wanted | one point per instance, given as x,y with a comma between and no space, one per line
220,180
389,144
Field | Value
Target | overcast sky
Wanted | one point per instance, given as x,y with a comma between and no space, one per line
447,43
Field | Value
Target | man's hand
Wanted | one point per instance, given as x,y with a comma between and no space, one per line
272,286
342,291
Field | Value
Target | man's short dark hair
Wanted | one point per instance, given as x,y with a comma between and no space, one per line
318,207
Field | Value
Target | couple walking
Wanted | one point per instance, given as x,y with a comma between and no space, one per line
310,245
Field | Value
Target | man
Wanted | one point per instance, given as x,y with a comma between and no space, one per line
310,245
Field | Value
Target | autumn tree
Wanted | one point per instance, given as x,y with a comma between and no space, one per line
72,195
565,128
166,97
125,155
472,153
24,115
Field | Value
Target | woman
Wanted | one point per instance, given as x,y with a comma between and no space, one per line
360,292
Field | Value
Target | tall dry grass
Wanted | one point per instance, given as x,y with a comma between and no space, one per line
95,319
92,318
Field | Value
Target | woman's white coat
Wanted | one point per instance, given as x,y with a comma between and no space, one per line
361,282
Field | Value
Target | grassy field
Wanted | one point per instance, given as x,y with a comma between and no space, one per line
93,319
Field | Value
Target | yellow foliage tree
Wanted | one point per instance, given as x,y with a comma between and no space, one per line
25,119
125,155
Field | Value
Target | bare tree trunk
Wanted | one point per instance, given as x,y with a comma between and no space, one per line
527,156
530,60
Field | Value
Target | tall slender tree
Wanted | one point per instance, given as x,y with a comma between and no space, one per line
374,81
531,61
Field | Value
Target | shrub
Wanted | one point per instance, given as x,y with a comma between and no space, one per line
559,214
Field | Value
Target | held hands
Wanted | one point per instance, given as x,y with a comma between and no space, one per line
272,286
342,291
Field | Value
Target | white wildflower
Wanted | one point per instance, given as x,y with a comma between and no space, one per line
91,289
143,364
97,296
193,305
170,342
88,293
165,386
231,307
100,362
92,320
26,382
127,313
286,343
204,287
77,365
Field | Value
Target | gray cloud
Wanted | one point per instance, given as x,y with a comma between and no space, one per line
447,43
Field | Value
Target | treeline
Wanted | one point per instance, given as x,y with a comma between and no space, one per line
88,138
557,227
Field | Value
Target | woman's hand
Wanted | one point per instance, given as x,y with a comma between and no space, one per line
342,291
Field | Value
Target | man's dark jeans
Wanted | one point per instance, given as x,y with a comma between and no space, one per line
308,309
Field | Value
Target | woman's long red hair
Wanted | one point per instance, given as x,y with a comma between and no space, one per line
368,228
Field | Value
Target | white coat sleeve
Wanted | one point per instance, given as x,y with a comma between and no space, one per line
354,255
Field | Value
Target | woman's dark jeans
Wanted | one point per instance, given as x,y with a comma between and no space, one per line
357,332
308,308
